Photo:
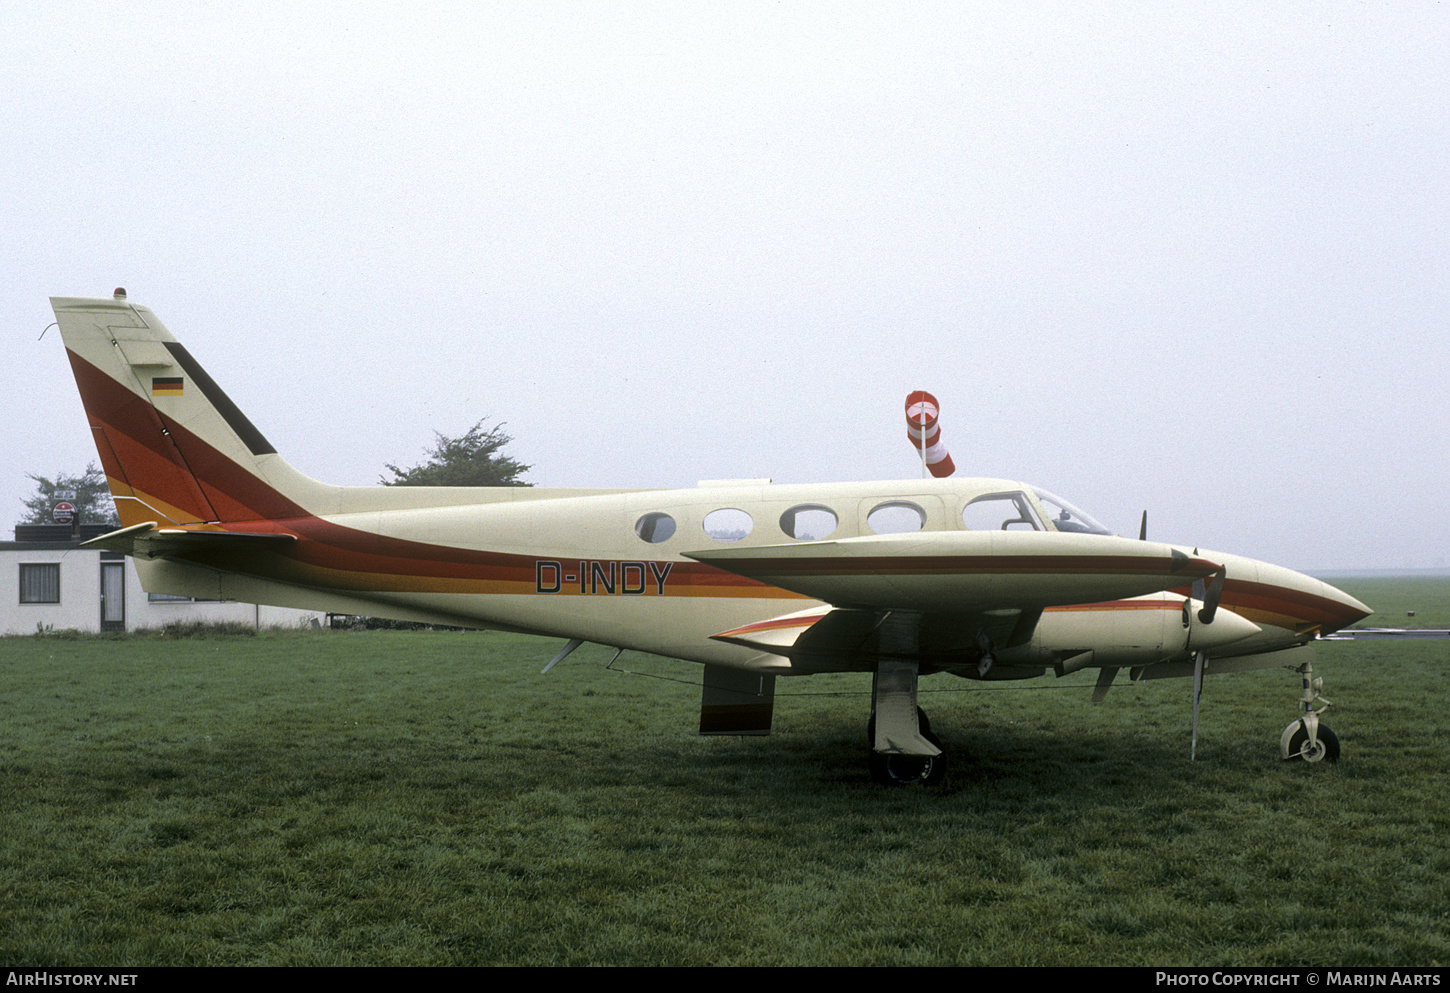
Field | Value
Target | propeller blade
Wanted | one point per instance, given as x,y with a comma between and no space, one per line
1199,660
1215,590
1143,528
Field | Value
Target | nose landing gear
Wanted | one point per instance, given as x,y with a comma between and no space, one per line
1306,738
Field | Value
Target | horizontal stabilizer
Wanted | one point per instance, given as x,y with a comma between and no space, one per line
151,541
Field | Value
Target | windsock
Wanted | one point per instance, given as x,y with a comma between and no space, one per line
925,435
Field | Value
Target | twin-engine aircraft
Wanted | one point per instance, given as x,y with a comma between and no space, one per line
979,578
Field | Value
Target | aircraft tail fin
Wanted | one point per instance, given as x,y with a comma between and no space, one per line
174,447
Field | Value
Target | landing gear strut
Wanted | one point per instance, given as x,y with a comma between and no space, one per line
903,749
1306,738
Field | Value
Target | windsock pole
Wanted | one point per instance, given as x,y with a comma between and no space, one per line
925,435
921,442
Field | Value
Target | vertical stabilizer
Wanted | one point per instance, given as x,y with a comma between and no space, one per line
174,447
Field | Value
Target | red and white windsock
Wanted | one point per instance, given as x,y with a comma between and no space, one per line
925,435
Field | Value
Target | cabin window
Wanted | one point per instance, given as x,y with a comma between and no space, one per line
40,582
1001,512
728,524
896,517
655,528
809,522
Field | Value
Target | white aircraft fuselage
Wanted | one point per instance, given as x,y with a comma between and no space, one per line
984,578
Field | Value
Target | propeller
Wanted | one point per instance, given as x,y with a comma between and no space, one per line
1210,594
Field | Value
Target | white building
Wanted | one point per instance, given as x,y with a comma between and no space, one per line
48,582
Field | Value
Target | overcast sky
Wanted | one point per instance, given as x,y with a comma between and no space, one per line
1189,258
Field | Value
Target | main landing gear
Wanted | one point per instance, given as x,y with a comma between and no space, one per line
903,749
897,769
1306,738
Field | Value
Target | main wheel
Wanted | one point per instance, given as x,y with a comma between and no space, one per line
909,770
1327,745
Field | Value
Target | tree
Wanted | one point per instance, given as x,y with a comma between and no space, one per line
92,498
469,460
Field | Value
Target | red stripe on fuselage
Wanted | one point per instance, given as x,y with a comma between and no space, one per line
1176,606
1264,602
333,556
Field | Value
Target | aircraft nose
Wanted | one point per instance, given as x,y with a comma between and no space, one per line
1343,609
1317,606
1275,596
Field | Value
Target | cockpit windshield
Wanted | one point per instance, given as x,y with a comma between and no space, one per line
1066,517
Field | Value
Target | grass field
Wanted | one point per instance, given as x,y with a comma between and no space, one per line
1395,597
429,798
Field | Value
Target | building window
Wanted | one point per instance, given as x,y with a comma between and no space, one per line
40,582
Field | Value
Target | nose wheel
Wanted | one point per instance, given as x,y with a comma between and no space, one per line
1306,739
1297,743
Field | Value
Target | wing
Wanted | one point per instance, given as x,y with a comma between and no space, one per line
965,571
971,593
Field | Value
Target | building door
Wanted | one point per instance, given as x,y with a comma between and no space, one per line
113,596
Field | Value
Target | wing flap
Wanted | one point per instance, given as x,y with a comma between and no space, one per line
833,639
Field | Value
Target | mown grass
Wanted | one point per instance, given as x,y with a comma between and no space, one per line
429,798
1396,598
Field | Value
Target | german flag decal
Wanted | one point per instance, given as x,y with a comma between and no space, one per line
166,386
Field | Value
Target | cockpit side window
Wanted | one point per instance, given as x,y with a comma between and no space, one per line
1001,512
1066,517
